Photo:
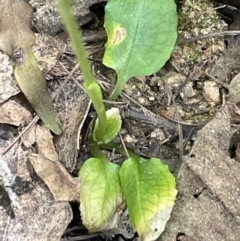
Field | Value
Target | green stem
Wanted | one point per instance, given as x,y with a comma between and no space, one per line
90,84
116,92
119,149
95,150
118,88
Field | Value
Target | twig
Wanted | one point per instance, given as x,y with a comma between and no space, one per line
206,36
5,230
218,81
124,147
115,102
146,112
81,125
189,78
34,121
179,126
70,75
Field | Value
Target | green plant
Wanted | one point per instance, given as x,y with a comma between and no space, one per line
147,185
141,37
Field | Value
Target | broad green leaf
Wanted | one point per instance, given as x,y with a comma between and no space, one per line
100,194
149,190
16,40
141,37
113,126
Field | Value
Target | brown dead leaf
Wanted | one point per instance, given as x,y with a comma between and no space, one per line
29,138
14,114
16,40
39,217
46,164
73,119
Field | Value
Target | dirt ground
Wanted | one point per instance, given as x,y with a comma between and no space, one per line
187,114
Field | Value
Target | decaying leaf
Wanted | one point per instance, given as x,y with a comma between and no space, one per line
28,210
74,105
47,166
16,40
14,114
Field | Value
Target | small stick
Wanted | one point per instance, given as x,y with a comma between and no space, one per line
81,125
34,121
124,147
206,36
189,78
70,75
218,81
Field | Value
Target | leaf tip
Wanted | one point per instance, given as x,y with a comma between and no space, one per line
55,127
157,224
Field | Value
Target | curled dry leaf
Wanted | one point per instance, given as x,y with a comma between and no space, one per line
46,164
14,114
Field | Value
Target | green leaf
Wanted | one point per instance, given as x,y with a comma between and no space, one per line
100,194
149,189
113,126
141,37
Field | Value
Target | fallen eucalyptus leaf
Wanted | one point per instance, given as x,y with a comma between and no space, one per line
141,37
62,185
16,40
149,190
100,194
